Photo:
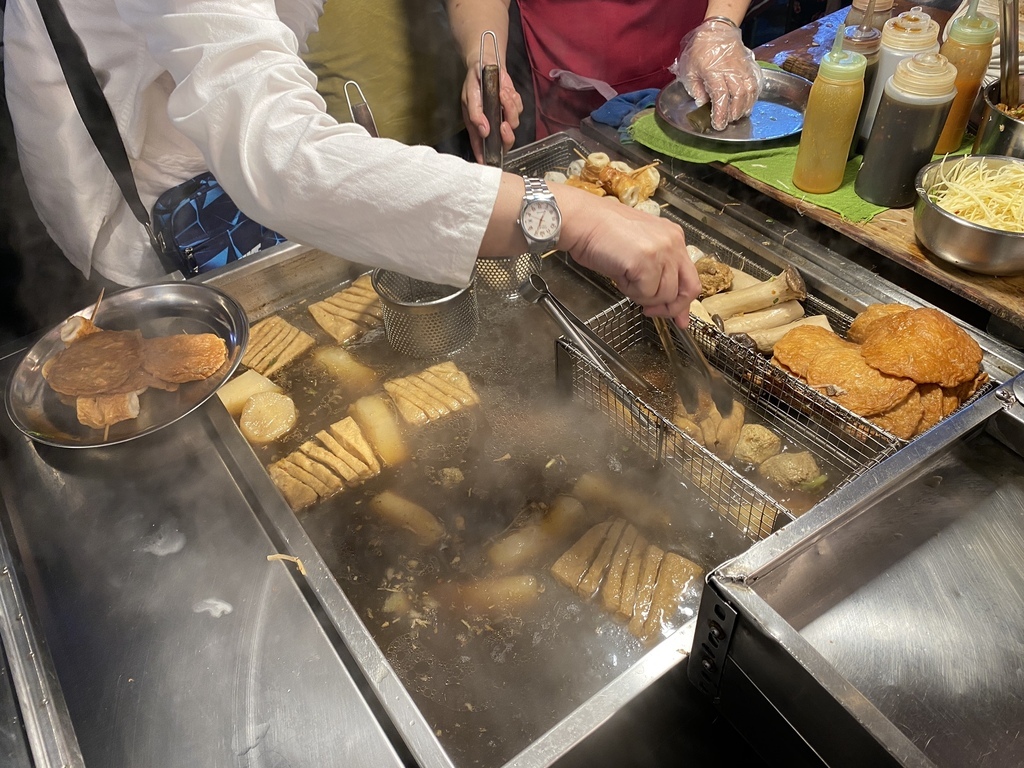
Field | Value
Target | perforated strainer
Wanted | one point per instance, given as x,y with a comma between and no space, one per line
504,276
424,319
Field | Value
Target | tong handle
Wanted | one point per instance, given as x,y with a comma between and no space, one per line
360,110
721,391
490,87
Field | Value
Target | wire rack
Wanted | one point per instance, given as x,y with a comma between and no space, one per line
796,399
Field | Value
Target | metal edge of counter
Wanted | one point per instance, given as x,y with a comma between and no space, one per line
824,269
48,727
763,655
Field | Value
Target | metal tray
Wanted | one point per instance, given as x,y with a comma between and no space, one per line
777,114
162,309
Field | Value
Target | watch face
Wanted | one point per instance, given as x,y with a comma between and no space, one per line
541,220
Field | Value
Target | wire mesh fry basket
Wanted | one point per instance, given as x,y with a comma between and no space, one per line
424,319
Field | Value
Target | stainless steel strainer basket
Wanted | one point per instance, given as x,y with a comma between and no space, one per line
504,276
424,319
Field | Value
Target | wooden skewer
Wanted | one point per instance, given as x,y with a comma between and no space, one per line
655,164
106,432
96,308
582,156
545,255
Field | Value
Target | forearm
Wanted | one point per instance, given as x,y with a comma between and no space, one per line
470,19
730,9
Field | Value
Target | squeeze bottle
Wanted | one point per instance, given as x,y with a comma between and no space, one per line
829,120
969,49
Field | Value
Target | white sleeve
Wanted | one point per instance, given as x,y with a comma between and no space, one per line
249,103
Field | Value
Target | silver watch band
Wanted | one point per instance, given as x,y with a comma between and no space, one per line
537,189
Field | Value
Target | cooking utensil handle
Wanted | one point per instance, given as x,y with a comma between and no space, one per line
490,87
722,393
360,110
1009,64
686,382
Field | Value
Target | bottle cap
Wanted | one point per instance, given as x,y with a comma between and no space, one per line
925,74
973,30
880,5
842,65
863,40
912,30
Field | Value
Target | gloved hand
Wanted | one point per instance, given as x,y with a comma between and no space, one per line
715,65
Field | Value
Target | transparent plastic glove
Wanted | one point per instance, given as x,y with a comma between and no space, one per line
715,66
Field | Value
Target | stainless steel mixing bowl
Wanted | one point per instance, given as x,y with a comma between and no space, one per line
961,242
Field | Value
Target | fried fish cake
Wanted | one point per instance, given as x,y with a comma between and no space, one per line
931,406
184,356
843,375
96,364
903,420
799,347
861,326
923,345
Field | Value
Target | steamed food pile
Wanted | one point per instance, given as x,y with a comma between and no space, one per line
106,372
600,175
903,369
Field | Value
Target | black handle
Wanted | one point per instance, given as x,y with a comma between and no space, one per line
494,153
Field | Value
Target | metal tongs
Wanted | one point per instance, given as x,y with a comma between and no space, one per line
693,381
360,110
604,357
490,87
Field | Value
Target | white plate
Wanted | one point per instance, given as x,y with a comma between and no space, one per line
156,310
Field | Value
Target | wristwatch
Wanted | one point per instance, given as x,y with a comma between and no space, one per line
539,217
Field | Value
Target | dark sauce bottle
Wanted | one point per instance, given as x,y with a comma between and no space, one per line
910,116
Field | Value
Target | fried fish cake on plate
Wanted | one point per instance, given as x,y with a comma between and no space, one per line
184,357
795,351
861,325
95,364
843,375
903,420
923,345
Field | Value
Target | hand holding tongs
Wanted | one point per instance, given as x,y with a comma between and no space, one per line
594,348
360,110
490,88
692,381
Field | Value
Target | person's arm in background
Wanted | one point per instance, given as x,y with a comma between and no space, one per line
469,20
715,66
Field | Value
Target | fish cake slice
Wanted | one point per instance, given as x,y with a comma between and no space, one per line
337,464
449,389
318,470
410,411
568,570
630,579
447,399
645,589
591,581
295,492
611,589
427,395
674,577
293,469
415,396
340,329
350,435
301,344
460,381
271,331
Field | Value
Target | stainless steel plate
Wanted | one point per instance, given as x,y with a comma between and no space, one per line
778,114
156,310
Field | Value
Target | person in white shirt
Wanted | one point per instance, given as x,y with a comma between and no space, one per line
219,85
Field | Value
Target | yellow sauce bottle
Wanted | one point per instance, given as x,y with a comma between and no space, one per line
830,119
969,49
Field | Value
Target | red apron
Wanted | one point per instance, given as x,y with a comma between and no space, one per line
628,44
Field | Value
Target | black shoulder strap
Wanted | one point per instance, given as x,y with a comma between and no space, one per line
94,109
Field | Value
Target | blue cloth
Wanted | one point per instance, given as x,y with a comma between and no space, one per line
619,111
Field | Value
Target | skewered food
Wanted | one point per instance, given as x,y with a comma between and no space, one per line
237,392
273,344
599,175
183,357
266,416
96,364
104,410
351,312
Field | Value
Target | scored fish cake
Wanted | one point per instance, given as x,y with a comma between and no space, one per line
843,375
795,351
568,569
295,492
591,581
674,576
861,325
923,345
